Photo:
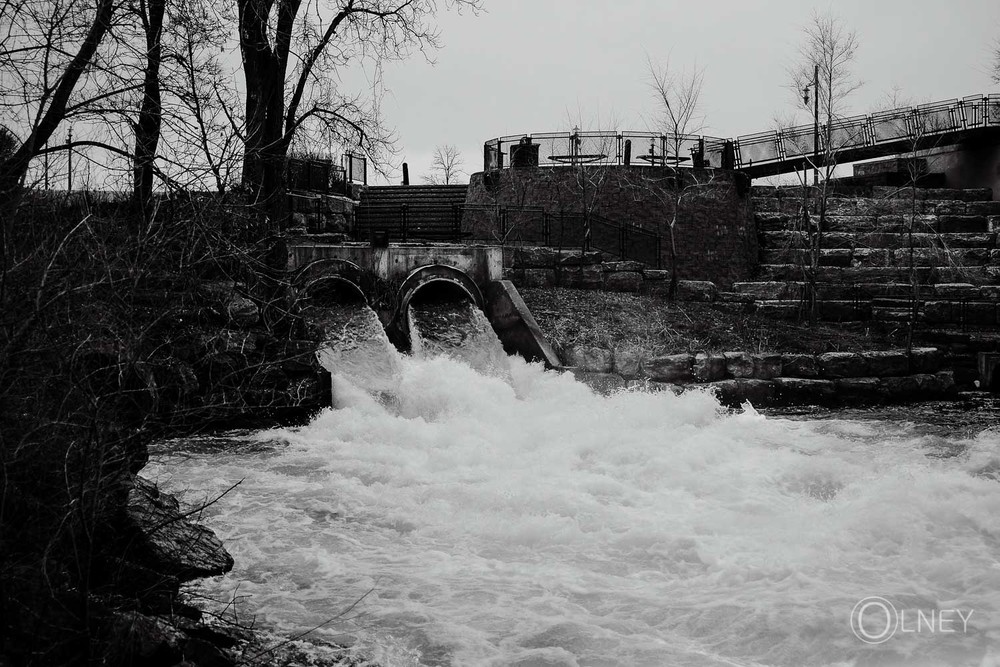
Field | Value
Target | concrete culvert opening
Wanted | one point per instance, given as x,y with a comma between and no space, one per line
440,291
432,285
329,291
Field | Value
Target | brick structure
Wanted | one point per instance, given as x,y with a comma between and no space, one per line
715,234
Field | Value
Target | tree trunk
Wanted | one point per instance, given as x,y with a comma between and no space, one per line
147,133
265,68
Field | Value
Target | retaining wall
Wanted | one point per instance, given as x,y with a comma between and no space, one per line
773,378
714,234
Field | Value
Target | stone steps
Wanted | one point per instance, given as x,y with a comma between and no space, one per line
977,275
782,239
886,223
796,289
885,257
931,312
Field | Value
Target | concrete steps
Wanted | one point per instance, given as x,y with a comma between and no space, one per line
410,211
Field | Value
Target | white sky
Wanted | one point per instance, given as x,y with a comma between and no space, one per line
525,66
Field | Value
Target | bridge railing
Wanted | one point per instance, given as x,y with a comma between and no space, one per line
554,149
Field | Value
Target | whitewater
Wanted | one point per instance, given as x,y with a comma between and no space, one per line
519,518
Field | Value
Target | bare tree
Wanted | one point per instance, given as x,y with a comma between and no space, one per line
46,50
201,110
446,166
824,70
678,97
292,52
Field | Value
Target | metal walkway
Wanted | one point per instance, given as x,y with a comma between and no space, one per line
975,118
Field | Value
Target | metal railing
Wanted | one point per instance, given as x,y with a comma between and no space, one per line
773,146
404,222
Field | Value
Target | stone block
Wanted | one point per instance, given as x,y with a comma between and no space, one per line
961,223
578,258
884,363
988,208
668,368
951,207
860,390
759,393
623,281
925,360
535,257
906,387
628,361
588,358
539,278
804,391
990,292
956,290
842,365
609,267
771,290
940,311
696,290
709,367
946,383
739,364
656,274
766,366
799,365
581,277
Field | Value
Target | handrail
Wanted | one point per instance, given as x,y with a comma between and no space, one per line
914,123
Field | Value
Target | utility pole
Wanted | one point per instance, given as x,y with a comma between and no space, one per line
69,173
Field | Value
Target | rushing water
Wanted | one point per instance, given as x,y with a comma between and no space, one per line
528,521
356,349
456,329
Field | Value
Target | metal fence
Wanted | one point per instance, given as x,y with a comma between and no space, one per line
651,149
315,175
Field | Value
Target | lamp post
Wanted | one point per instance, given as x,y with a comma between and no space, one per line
805,100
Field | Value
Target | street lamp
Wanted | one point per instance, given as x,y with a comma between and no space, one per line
805,100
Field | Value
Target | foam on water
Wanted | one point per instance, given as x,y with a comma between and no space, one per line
356,349
456,329
536,523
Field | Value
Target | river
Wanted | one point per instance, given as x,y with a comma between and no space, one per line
518,518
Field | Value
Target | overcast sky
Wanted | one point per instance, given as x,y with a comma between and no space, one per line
524,66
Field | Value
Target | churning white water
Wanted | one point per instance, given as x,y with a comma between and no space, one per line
532,522
356,349
456,329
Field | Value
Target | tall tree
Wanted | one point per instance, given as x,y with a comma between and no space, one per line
824,67
678,98
291,58
45,52
150,120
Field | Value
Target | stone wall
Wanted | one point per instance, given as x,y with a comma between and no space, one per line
313,213
714,234
773,378
538,266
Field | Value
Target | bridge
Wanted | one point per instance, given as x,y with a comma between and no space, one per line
971,119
